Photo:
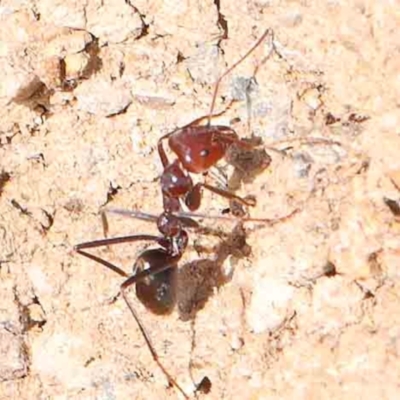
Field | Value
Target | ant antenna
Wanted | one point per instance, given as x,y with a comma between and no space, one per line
187,217
268,32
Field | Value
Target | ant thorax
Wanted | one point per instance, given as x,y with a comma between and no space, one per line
175,181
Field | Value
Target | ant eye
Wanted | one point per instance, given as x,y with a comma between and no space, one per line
204,153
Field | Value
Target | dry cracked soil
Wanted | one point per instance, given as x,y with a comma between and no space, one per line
306,307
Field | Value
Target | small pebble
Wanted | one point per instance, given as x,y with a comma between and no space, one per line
102,97
269,305
75,65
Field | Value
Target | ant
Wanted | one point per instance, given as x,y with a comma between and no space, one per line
155,270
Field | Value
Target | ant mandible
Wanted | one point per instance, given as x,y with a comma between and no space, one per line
155,270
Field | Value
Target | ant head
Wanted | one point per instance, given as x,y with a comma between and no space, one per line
200,147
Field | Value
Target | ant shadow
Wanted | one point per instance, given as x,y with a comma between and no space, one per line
197,279
196,284
248,163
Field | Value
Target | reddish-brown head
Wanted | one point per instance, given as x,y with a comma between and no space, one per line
200,147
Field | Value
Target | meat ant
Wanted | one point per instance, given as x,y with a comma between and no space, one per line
155,270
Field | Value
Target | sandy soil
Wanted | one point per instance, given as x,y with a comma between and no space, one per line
307,308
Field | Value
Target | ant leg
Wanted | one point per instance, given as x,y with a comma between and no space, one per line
251,202
124,286
131,213
193,199
186,222
99,260
268,221
110,241
161,151
118,240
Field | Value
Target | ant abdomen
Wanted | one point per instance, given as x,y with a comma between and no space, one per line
157,291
